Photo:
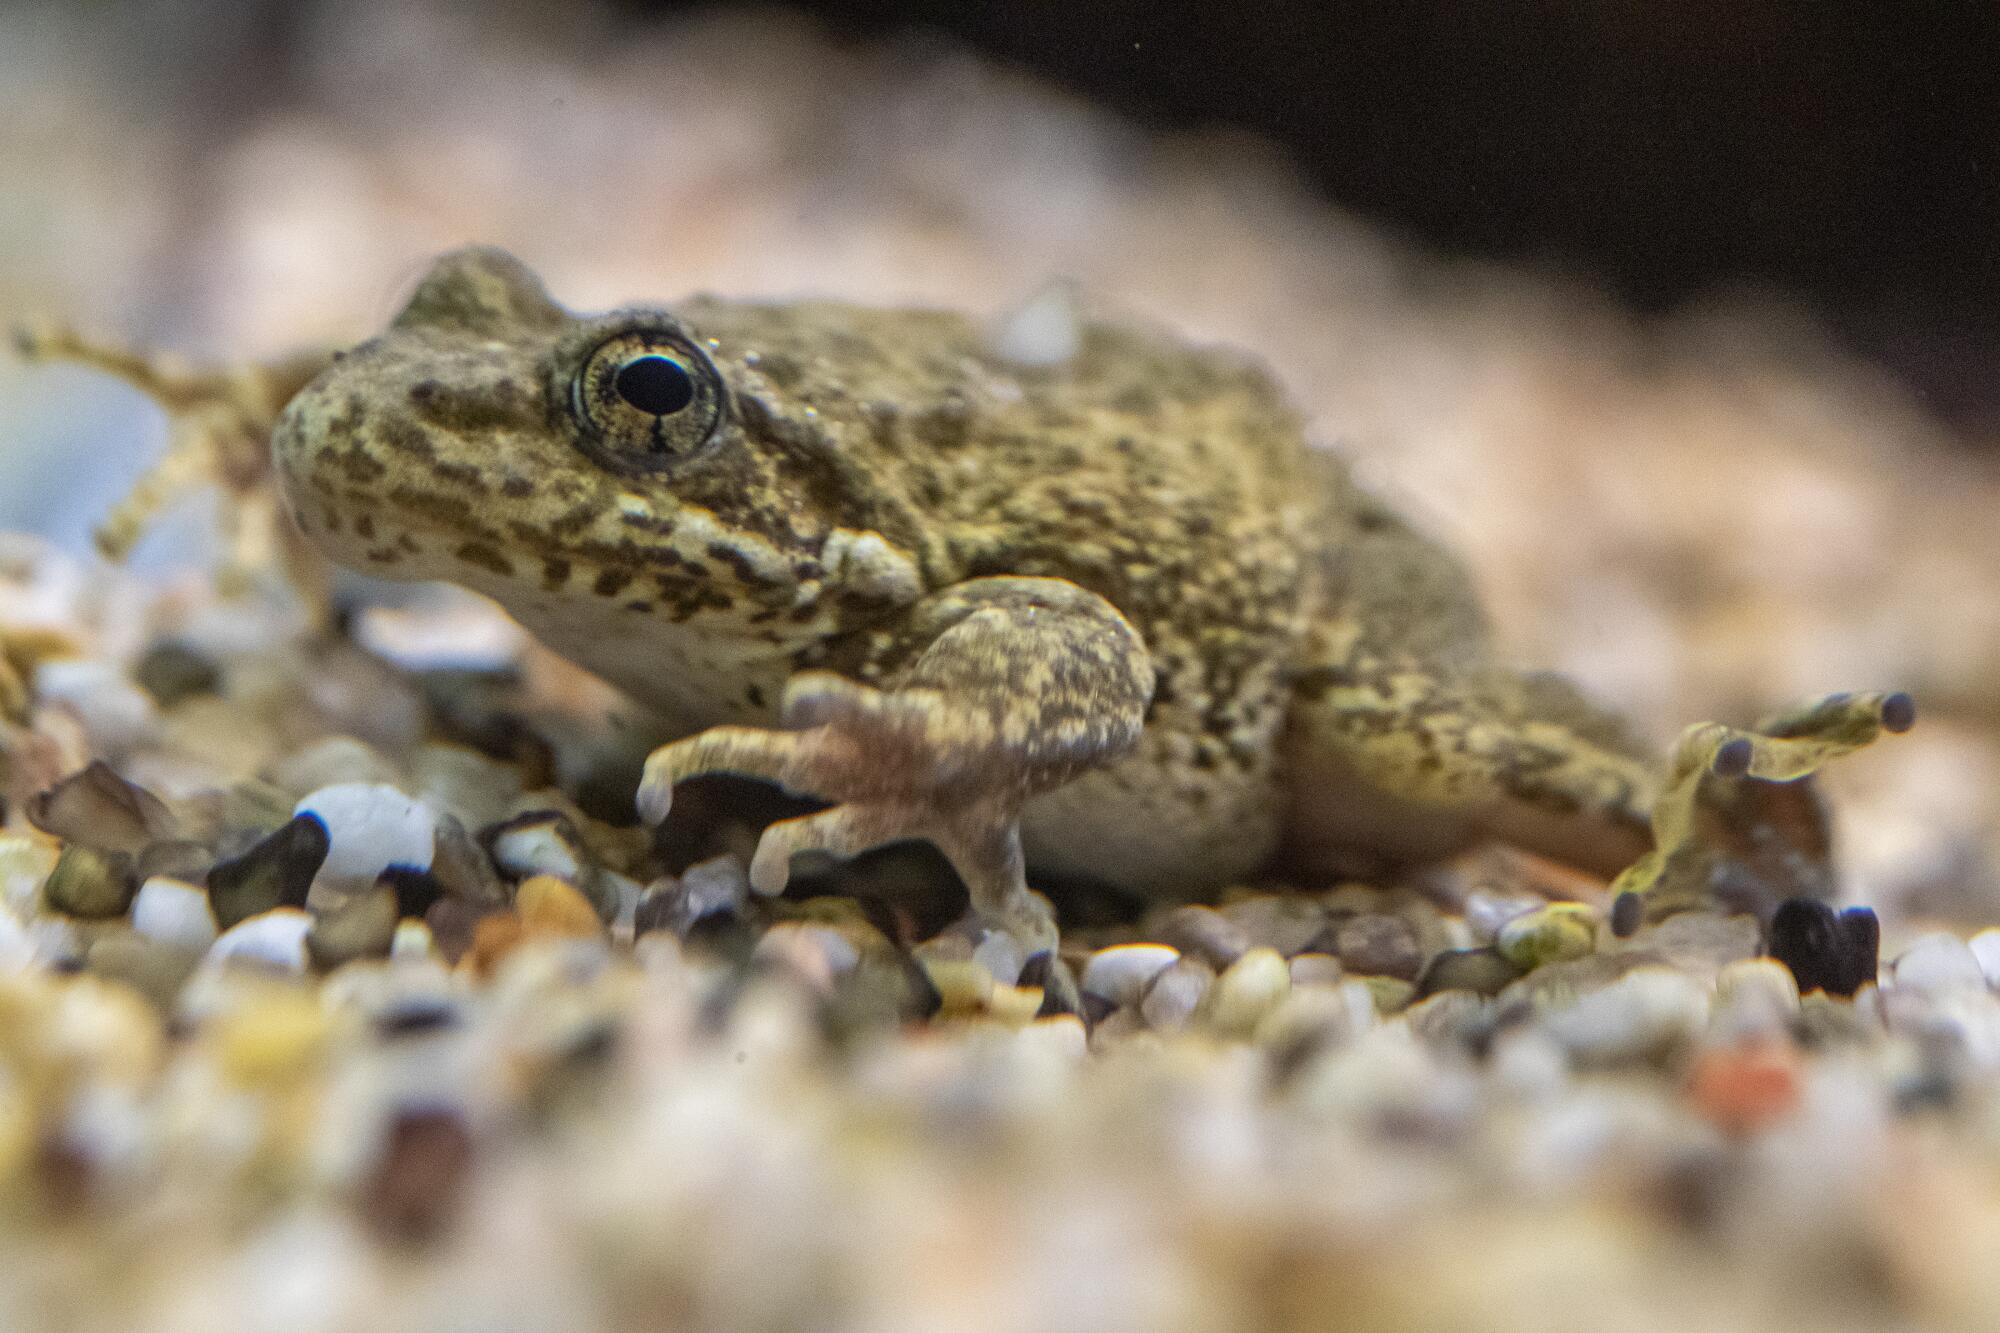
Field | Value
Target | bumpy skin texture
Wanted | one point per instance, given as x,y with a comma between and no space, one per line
1119,599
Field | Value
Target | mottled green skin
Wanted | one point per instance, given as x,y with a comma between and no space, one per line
1121,590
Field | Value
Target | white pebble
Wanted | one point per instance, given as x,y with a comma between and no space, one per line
1120,973
116,712
1938,963
538,847
275,939
1754,997
1640,1014
1985,948
17,946
172,911
1174,993
370,827
412,942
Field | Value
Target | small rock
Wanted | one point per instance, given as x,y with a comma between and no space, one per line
1481,971
1700,943
98,809
1057,982
1744,1088
1985,947
539,842
156,970
90,884
1557,933
1287,922
1246,990
1936,964
1837,954
171,672
175,858
1316,969
1175,992
1374,945
362,927
453,922
494,936
820,954
548,905
1642,1015
277,872
1120,973
117,714
1754,999
336,761
174,912
274,939
1201,931
462,867
371,826
963,986
1391,995
412,942
269,1043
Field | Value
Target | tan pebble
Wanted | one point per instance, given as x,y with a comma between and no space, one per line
494,936
963,986
1247,990
1316,969
1062,1034
413,941
273,1040
547,905
1014,1006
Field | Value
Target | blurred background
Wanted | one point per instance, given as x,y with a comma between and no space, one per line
1681,321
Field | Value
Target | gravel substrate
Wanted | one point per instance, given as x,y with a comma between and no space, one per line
334,994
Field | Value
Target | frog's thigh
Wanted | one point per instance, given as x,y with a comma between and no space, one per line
1392,759
1155,828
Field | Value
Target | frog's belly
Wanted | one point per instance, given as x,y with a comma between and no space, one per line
1158,832
693,678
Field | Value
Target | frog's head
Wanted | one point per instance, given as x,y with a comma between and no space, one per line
634,460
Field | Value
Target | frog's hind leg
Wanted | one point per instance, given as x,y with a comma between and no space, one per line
1404,742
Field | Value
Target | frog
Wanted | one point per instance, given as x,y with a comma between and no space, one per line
1111,617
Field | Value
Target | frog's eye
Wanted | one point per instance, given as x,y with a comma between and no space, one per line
645,397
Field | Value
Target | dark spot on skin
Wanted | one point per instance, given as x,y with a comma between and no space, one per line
463,475
485,557
573,522
384,555
404,438
364,527
359,466
639,607
517,488
754,696
555,573
406,542
331,522
611,582
745,568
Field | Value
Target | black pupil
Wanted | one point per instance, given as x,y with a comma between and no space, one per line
659,385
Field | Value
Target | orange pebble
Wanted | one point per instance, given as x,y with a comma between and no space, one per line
551,906
1743,1089
493,938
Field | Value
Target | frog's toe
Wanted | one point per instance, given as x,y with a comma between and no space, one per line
842,831
747,751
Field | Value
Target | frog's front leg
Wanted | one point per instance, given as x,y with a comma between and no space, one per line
989,692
